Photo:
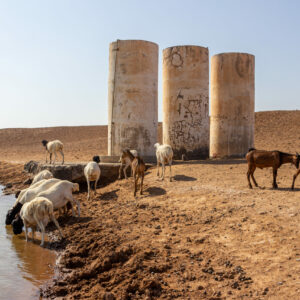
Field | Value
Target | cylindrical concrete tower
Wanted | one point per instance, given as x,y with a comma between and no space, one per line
232,104
185,100
132,97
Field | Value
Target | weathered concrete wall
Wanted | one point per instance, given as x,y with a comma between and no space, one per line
185,100
132,97
74,171
232,104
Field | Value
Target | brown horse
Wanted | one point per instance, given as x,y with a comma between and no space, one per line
265,159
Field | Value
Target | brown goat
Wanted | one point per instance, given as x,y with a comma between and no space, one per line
138,169
265,159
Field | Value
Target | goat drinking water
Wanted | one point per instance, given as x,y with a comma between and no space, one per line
265,159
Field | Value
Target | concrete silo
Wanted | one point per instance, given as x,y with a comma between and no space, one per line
232,104
186,100
132,97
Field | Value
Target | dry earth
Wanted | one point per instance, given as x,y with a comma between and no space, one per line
203,236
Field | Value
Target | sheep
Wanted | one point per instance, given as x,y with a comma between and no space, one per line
164,155
45,174
53,147
36,213
27,195
92,172
265,159
61,193
124,160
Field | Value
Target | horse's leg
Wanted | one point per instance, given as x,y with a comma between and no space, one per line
294,177
125,169
248,177
135,182
120,171
50,154
275,186
54,158
252,176
157,173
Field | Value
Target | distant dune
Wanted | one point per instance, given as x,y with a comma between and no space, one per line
273,130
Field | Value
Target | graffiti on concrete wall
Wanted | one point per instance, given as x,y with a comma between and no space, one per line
190,129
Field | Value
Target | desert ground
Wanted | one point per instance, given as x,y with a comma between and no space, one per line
205,235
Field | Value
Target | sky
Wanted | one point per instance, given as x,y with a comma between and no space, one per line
54,53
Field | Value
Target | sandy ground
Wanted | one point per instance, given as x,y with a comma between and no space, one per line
203,236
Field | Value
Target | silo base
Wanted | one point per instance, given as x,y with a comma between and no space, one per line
116,159
201,153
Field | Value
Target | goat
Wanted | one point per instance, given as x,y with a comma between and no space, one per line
138,169
27,195
92,172
45,174
61,193
53,147
265,159
37,212
164,155
124,160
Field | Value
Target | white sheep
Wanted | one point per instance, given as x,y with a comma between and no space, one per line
27,195
125,160
36,213
53,147
92,172
164,155
61,193
45,174
34,190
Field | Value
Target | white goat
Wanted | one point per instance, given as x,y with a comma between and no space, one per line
37,212
34,190
45,174
61,193
92,172
164,155
53,147
125,160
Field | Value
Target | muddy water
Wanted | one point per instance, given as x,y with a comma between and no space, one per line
24,267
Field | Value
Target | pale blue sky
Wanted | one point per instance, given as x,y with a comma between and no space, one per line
54,54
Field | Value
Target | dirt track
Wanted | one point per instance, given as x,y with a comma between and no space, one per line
203,236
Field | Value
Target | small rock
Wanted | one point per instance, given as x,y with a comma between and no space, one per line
9,185
265,291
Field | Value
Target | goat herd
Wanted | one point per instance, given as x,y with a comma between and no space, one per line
35,205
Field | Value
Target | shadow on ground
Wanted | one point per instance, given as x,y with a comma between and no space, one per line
155,191
112,195
184,178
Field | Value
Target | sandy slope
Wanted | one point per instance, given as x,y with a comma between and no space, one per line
203,236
